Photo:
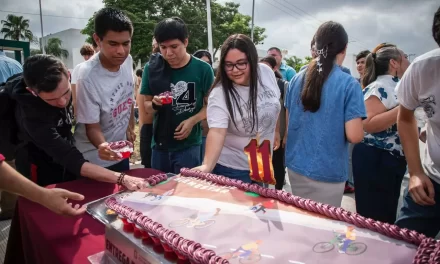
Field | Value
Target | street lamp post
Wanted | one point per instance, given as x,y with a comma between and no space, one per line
252,25
42,35
208,10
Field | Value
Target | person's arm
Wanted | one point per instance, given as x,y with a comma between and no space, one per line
184,129
354,112
131,135
378,117
408,89
420,186
55,200
214,145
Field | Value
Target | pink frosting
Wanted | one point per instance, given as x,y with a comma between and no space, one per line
428,251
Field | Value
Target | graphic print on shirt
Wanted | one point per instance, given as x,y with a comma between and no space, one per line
184,97
428,107
120,102
265,118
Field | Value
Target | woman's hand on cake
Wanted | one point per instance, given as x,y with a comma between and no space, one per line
106,153
134,183
202,168
56,200
276,141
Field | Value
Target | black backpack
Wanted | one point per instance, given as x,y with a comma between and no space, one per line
8,124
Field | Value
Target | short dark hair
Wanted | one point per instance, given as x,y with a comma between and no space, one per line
43,73
362,54
94,42
139,72
169,29
436,27
108,18
87,49
203,53
275,48
271,60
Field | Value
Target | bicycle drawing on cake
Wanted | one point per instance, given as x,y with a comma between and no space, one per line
344,242
245,254
197,221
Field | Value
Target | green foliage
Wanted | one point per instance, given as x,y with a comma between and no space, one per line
226,20
54,47
35,52
16,28
296,62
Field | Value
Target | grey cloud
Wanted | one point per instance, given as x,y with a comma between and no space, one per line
406,23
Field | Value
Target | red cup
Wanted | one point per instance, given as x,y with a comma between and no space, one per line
137,231
166,100
129,226
123,219
147,241
169,252
125,154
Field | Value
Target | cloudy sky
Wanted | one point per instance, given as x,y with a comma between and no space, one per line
290,24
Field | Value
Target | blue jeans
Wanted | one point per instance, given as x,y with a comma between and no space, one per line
173,161
423,219
203,148
242,175
120,166
378,178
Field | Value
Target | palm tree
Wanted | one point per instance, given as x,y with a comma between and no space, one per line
54,47
16,28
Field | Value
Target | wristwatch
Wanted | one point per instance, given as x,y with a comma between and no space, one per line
2,158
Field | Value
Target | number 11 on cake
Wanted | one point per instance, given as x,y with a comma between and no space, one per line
260,161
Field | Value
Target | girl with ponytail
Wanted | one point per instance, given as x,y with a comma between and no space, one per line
378,162
325,109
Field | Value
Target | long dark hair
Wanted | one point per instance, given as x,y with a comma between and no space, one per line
378,62
330,39
203,53
245,45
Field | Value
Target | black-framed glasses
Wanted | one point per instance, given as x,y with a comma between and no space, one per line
242,65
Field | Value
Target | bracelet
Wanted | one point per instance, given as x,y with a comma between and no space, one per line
120,180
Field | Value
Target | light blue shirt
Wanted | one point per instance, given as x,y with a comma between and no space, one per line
8,67
287,72
344,69
316,143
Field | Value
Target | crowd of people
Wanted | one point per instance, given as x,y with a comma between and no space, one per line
330,133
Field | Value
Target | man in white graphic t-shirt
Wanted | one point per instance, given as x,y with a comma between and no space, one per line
420,86
105,92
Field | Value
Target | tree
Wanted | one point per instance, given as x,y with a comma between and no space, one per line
145,14
54,47
297,63
35,52
16,28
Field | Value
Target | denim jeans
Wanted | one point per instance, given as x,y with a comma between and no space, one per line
378,178
121,166
423,219
145,144
242,175
173,161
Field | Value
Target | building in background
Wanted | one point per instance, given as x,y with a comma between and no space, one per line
72,41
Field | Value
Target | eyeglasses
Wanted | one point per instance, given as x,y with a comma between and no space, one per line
242,65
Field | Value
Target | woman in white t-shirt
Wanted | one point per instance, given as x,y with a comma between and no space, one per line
243,104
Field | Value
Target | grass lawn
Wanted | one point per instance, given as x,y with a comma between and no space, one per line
136,156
